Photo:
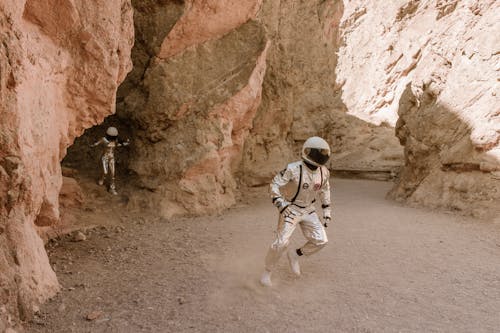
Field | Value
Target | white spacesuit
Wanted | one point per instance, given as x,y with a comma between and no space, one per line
110,142
311,179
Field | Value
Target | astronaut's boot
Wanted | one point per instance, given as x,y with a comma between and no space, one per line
293,260
265,279
112,188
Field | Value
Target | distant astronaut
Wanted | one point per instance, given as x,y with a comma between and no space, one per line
110,142
311,179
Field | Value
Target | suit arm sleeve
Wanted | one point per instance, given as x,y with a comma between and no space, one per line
281,179
97,143
325,196
122,143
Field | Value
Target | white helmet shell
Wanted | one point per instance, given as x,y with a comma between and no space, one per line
112,131
316,151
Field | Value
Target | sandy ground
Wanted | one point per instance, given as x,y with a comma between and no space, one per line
387,268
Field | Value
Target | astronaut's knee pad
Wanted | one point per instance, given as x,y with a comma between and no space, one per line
279,245
321,243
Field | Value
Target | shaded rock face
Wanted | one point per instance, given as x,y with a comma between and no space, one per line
301,98
61,63
431,68
444,168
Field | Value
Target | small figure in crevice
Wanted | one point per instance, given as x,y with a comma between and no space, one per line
110,142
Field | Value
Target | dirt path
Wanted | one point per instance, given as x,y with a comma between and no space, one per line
387,268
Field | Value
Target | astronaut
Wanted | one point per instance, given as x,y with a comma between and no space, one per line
110,142
311,178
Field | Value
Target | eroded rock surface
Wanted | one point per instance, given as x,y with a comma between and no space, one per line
227,91
61,63
301,98
224,92
194,102
434,66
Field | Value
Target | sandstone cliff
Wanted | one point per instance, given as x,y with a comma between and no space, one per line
227,91
431,69
191,99
224,92
301,98
61,63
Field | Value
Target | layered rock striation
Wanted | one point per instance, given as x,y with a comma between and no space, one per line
61,64
431,69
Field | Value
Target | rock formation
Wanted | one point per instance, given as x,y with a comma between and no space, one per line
301,98
431,69
223,93
61,64
191,99
227,91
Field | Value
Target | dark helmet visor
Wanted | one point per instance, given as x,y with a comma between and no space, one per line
319,156
111,137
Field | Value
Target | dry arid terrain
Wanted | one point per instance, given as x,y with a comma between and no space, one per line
215,97
387,268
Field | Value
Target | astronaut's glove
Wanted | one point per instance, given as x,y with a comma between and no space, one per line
289,213
326,221
280,203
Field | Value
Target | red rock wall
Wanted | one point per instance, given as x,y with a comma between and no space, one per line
61,63
224,91
206,20
193,100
